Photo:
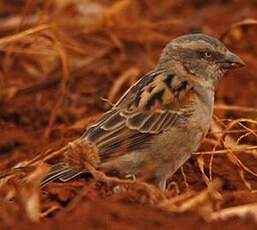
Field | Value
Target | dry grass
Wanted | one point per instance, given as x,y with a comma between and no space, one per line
60,58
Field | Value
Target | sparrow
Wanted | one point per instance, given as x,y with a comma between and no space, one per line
158,123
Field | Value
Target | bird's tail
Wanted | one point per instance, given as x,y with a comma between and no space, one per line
62,172
76,158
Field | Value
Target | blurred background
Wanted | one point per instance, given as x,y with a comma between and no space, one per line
64,62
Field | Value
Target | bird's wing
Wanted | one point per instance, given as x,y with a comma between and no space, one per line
152,105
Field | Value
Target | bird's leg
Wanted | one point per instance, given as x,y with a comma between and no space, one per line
162,184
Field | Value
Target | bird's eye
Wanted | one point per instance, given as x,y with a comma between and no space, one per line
207,54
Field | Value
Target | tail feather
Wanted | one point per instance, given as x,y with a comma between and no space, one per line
62,172
59,171
70,175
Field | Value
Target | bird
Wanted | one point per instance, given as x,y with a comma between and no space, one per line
161,119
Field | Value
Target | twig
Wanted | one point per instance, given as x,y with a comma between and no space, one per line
243,23
130,73
184,177
235,108
247,149
55,79
16,37
240,211
62,90
201,202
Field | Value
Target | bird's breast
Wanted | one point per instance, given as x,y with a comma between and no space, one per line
186,139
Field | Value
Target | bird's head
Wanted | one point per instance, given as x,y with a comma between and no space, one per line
201,55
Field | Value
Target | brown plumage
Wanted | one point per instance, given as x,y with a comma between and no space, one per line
163,117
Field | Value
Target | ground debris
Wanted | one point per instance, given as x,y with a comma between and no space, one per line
63,63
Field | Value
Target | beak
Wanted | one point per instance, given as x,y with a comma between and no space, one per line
231,61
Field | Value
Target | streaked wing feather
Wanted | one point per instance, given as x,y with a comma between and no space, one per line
146,109
131,133
151,122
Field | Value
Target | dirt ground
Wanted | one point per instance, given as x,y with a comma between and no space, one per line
64,62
